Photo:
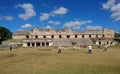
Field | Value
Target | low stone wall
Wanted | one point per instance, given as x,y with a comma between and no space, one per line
4,46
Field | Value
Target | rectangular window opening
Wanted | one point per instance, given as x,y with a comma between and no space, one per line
75,36
68,36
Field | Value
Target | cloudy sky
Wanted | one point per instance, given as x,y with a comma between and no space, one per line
76,14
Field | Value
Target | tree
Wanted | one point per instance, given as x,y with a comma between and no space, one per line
117,37
5,34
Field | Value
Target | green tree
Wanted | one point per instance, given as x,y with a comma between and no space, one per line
117,37
5,34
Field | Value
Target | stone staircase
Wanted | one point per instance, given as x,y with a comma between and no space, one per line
69,42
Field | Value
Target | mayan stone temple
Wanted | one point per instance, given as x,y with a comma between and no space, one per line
51,37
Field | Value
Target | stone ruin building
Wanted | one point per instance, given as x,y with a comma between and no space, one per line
51,37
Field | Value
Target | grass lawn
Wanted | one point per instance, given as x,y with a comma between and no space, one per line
45,60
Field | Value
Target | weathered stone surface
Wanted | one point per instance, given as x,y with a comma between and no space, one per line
65,37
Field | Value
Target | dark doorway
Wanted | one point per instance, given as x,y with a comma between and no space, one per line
107,42
60,36
96,36
68,36
28,44
74,43
37,44
103,36
52,36
100,42
47,43
27,36
36,36
90,36
82,36
33,44
43,44
44,36
75,36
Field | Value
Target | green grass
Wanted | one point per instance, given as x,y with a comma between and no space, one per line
45,60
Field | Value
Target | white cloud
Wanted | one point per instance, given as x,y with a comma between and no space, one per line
29,11
26,26
8,18
76,27
116,12
60,11
94,27
114,8
20,29
76,24
109,4
48,27
54,22
44,16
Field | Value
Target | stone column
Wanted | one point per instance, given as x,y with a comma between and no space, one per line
35,44
30,44
44,43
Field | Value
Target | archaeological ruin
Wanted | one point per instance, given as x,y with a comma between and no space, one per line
66,37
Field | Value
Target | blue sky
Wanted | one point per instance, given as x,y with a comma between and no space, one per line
76,14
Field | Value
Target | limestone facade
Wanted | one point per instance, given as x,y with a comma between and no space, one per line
43,37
